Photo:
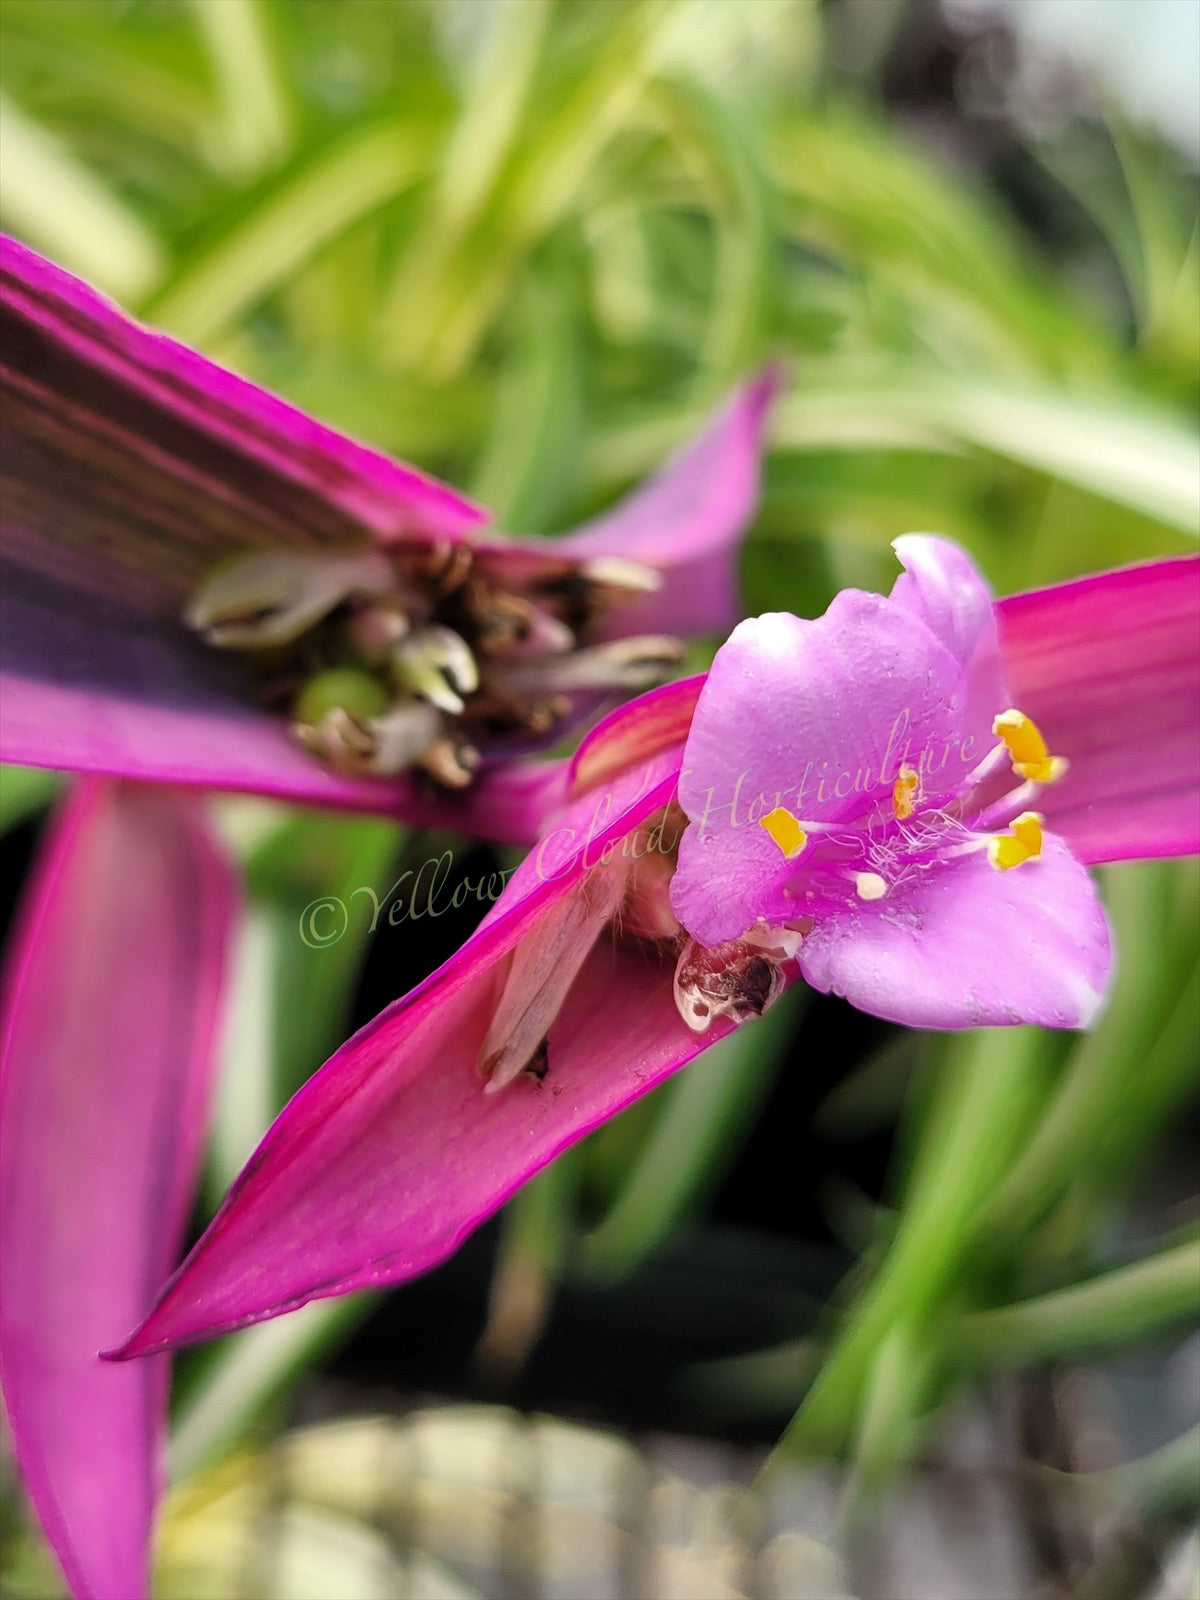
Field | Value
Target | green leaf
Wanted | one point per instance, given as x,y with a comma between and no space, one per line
713,140
547,178
316,876
1102,1082
961,274
537,411
254,128
987,1088
23,792
478,146
1120,450
56,202
290,221
1112,1309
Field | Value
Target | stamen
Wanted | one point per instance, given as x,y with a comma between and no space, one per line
1022,843
450,761
271,597
785,830
436,665
1024,742
638,663
446,566
991,764
497,620
373,633
997,815
542,970
904,794
870,886
619,573
542,635
382,745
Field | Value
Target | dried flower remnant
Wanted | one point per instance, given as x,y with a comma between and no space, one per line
400,634
417,655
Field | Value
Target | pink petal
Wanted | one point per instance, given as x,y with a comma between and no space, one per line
688,520
941,585
811,716
111,1010
393,1153
1109,668
965,946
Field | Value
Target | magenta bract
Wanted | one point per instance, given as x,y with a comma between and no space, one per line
111,1013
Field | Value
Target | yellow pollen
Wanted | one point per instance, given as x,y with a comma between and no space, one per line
1030,758
904,793
870,886
1022,842
785,830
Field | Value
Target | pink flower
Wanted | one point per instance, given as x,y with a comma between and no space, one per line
865,796
565,999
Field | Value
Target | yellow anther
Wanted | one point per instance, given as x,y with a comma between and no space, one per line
870,886
1022,842
1030,758
904,794
785,830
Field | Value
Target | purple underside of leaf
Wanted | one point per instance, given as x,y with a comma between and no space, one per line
144,463
1108,667
687,521
111,1011
393,1153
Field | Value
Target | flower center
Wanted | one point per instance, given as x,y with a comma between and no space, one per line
416,655
868,857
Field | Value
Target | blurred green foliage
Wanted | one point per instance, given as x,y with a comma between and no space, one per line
526,245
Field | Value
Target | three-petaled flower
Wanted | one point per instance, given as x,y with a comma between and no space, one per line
907,867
